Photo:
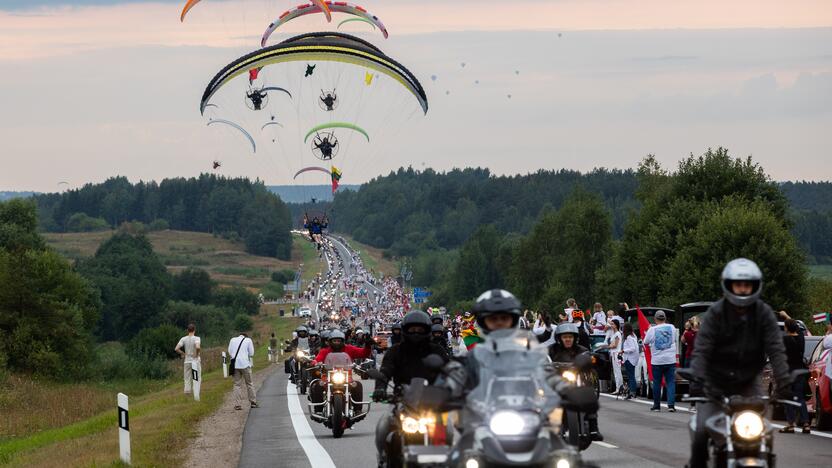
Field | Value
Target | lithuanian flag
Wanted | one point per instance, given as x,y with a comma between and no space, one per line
336,176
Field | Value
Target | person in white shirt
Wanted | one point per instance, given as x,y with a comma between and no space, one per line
662,339
599,315
630,351
613,344
188,347
241,350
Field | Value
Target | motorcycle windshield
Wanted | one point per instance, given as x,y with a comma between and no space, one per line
512,374
340,360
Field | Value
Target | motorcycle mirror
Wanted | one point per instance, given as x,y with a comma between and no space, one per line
433,362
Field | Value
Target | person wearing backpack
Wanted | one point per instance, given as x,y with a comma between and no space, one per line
241,350
662,339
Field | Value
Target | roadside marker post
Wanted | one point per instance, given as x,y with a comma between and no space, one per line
196,376
224,365
123,428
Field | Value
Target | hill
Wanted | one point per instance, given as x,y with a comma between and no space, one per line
226,261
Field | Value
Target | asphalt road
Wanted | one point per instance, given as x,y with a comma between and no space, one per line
634,437
280,433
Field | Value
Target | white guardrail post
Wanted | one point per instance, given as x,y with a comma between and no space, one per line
196,377
224,365
123,428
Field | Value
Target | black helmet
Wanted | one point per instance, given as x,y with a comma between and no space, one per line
413,320
437,328
396,325
742,269
496,301
437,318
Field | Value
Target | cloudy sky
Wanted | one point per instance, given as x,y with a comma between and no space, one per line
95,88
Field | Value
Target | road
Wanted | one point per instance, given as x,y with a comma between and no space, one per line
280,434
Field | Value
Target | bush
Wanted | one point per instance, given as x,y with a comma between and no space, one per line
283,276
243,323
152,342
81,222
238,299
213,324
193,285
114,363
158,224
272,290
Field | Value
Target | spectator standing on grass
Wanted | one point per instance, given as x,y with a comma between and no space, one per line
241,350
662,338
189,347
273,347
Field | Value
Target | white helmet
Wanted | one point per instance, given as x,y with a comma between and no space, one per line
742,269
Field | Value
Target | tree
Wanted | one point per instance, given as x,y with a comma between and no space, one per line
193,285
674,205
237,299
563,252
134,285
46,310
731,229
476,268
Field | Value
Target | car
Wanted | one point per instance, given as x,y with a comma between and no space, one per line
305,312
820,402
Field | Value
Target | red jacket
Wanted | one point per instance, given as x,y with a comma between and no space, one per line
353,351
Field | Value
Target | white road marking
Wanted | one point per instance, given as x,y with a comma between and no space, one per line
825,435
315,453
604,444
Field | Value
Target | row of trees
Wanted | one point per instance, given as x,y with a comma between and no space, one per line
408,212
238,208
692,221
53,316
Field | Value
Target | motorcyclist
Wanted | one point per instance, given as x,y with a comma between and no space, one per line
300,341
566,350
402,363
314,342
337,345
439,336
735,336
396,334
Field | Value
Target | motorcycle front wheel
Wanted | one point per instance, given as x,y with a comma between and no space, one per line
337,415
576,436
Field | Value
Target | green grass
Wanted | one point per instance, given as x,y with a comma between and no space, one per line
821,271
161,422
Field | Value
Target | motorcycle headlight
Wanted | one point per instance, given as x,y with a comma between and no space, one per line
507,423
300,354
748,425
563,463
410,425
339,377
570,376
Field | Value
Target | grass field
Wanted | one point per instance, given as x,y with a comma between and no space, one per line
821,271
161,421
226,261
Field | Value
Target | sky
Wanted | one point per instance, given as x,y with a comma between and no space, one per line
90,89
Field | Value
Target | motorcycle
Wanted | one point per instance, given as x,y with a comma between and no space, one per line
417,435
513,416
739,435
338,410
298,366
578,374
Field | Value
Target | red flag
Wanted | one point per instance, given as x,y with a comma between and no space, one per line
252,75
643,325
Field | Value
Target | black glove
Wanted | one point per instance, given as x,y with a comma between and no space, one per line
380,394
